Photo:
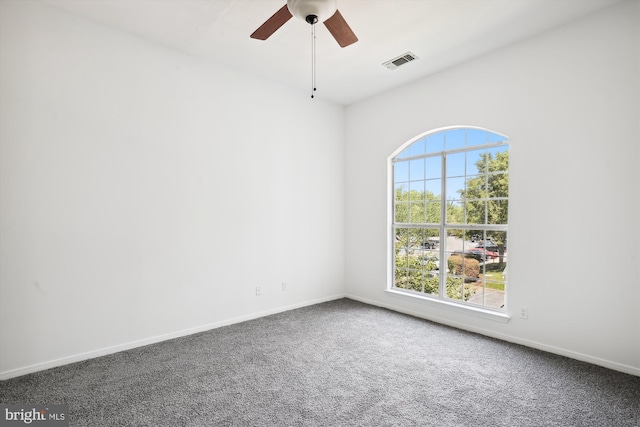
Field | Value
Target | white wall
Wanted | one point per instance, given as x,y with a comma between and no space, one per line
144,194
570,102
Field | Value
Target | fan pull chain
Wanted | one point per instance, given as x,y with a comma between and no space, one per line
313,59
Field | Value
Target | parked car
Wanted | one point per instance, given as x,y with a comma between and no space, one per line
488,245
430,244
485,253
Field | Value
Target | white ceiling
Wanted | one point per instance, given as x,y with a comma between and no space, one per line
441,33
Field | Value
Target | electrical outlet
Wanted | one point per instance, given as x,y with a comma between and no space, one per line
524,313
284,287
258,291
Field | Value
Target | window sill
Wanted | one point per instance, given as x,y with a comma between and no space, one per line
459,308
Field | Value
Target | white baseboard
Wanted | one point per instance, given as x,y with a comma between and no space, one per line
5,375
504,337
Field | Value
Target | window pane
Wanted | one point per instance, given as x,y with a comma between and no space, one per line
433,188
408,241
417,266
492,293
402,212
404,153
430,238
476,211
433,167
401,192
498,211
455,241
401,276
416,212
475,162
416,169
498,159
455,187
416,190
475,187
432,283
435,142
401,171
476,137
498,185
496,241
417,148
456,164
433,212
475,235
454,138
456,288
455,212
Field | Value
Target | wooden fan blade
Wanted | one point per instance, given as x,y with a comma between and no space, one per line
340,30
272,24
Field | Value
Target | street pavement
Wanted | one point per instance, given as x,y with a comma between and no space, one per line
492,298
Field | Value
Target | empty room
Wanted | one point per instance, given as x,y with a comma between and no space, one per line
320,213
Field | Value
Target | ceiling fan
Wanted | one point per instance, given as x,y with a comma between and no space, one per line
312,12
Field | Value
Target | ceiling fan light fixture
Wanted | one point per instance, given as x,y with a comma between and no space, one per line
322,9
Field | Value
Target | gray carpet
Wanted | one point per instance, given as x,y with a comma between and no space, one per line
341,363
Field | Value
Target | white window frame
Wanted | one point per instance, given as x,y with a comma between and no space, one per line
440,299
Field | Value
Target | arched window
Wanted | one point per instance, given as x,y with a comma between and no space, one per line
450,202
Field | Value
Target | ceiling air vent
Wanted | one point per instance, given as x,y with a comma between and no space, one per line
400,60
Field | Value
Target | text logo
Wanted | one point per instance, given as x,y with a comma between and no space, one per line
34,415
